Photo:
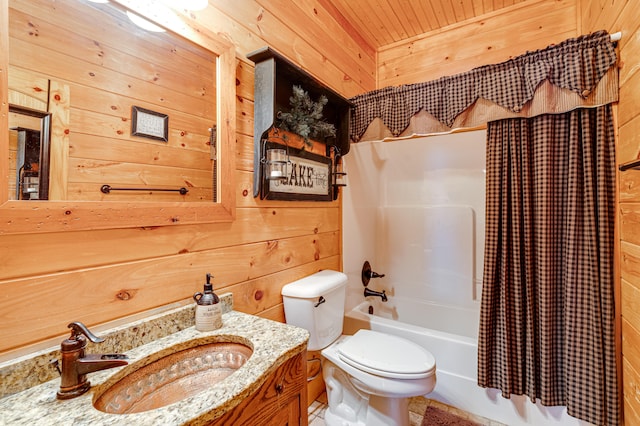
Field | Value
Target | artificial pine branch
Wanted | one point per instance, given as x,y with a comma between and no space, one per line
305,117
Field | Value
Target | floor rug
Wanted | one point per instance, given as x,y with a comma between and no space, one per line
436,417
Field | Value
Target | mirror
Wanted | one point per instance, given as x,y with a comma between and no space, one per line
29,140
149,115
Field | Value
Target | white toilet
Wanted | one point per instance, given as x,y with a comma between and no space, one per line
370,376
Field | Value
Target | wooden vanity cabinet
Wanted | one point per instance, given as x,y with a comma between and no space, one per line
281,400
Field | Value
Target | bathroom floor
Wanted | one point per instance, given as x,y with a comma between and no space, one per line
417,407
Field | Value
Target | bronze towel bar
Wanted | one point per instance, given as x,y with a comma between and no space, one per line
108,188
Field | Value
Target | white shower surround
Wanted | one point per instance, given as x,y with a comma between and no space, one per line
415,210
410,187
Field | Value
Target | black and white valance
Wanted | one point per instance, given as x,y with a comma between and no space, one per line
576,73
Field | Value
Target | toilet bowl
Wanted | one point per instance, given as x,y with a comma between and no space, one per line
380,383
369,376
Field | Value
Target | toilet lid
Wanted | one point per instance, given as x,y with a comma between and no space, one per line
386,355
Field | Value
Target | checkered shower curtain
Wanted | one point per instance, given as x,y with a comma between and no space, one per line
547,313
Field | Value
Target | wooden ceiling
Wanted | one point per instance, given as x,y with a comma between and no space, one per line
382,22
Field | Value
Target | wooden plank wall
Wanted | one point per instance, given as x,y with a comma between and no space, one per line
393,20
619,15
489,39
50,279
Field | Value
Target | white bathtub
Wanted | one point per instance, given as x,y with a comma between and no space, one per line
450,334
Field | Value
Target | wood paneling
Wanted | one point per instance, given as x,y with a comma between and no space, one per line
630,350
253,25
628,148
59,107
94,295
95,248
631,380
492,38
383,22
629,102
28,91
4,88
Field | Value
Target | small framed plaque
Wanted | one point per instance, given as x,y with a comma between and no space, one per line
149,124
306,177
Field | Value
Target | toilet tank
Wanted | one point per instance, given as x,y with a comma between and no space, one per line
316,303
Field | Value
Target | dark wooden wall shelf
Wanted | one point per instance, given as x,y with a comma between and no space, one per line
275,77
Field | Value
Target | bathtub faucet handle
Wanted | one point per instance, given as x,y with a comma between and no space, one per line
368,273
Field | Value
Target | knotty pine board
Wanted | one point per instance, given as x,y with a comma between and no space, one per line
96,295
71,251
505,34
631,380
256,27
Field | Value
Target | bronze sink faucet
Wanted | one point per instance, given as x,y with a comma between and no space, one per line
76,364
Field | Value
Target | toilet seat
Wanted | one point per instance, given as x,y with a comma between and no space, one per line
387,356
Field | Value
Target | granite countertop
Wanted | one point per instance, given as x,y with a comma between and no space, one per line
273,343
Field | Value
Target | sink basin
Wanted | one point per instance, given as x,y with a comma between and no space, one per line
172,377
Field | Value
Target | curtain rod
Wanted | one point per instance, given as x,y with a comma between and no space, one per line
616,36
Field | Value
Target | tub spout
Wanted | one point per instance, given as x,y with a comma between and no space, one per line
382,294
76,364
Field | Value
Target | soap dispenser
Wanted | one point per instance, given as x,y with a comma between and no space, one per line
208,309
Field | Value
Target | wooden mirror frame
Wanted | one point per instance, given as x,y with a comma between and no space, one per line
17,217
